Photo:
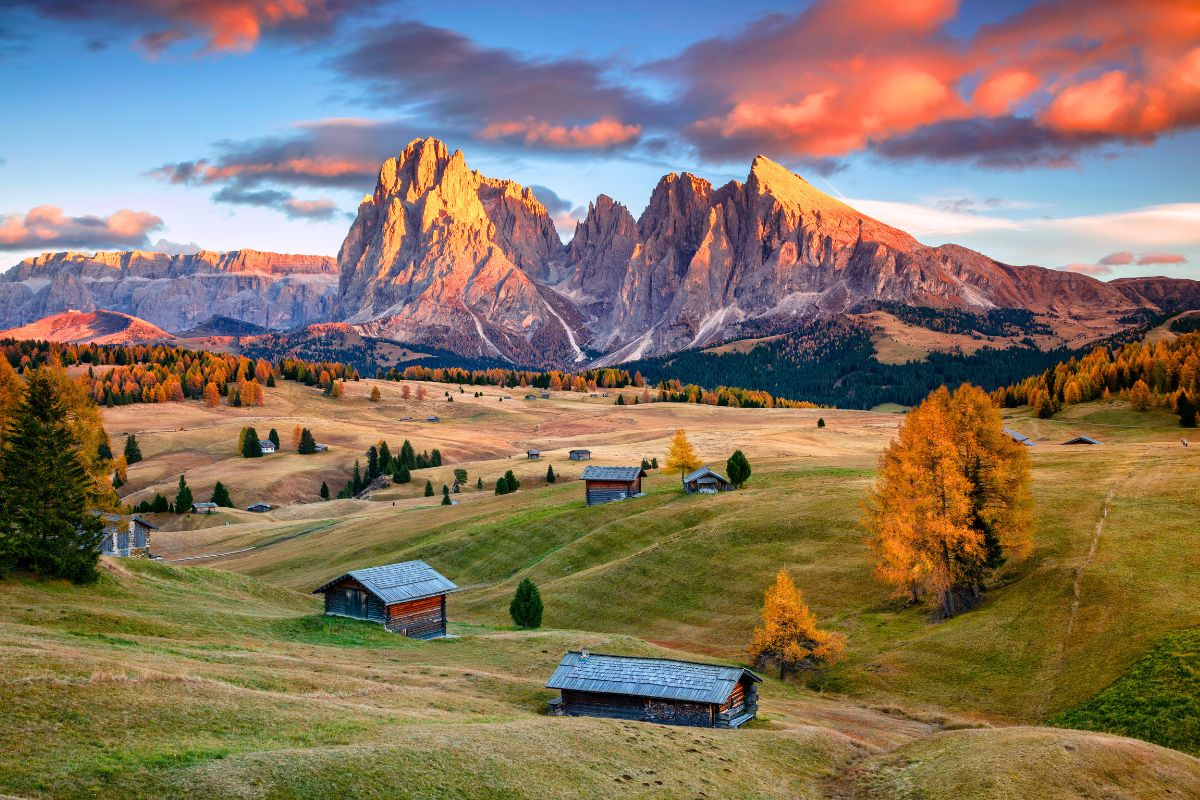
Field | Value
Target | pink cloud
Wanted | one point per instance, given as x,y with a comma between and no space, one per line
50,227
1000,92
598,135
1088,269
1117,259
1161,258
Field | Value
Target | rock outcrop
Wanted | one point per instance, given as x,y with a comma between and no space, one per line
174,292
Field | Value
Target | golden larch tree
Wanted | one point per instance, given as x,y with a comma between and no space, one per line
681,455
789,637
951,503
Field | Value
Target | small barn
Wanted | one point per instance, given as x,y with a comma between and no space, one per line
259,508
204,508
658,690
1082,440
1019,437
706,481
533,455
580,455
607,484
407,598
433,419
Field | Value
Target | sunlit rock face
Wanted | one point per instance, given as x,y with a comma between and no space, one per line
173,292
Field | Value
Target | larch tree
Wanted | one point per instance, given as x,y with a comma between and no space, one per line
681,455
789,638
1139,396
951,503
297,432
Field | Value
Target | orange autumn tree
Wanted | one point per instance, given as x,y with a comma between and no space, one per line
789,638
681,455
951,503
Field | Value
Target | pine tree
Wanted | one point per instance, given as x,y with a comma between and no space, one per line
620,399
738,468
446,495
789,637
435,458
104,450
183,497
501,486
460,476
526,606
133,453
1186,409
681,455
356,481
400,474
117,483
654,463
511,481
429,488
324,491
273,438
408,456
550,476
645,463
308,445
479,484
372,463
220,496
821,422
250,446
160,505
47,494
385,458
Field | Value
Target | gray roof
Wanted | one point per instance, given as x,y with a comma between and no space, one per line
397,583
702,472
594,473
1082,440
1014,435
647,677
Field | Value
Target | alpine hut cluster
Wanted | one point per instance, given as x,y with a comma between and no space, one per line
654,690
407,598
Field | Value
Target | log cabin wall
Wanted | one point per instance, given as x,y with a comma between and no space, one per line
638,709
608,491
419,619
339,601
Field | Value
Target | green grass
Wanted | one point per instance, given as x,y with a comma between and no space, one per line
1158,700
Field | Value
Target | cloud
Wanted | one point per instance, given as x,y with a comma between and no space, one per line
175,248
321,209
49,227
1095,270
599,135
1117,259
1161,258
218,25
564,213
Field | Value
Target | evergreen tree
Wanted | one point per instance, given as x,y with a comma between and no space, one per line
738,468
271,381
654,463
385,459
429,488
435,458
372,463
308,444
479,484
273,438
116,480
220,496
502,486
183,497
550,476
821,422
104,449
250,446
1186,409
645,464
446,495
408,456
133,453
400,474
511,480
160,504
356,481
324,490
620,399
46,495
526,606
460,476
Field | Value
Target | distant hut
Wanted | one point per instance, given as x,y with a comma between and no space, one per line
1082,440
204,508
266,446
580,455
533,455
607,484
545,395
407,598
531,397
259,508
705,481
658,690
433,419
1019,438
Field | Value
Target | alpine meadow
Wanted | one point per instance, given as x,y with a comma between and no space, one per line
699,401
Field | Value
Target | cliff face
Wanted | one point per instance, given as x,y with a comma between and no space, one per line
174,292
442,255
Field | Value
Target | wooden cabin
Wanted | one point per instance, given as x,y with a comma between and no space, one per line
259,508
204,508
407,598
705,481
533,455
580,455
607,484
659,690
1082,440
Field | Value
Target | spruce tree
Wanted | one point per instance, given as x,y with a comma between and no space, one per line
821,422
446,495
435,458
501,486
133,453
220,496
385,459
479,484
308,444
1186,410
429,488
324,490
104,449
250,446
183,497
738,468
372,463
408,456
620,399
273,437
116,481
160,504
550,476
511,481
654,463
356,482
46,494
401,474
526,606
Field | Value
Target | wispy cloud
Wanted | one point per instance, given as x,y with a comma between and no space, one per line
49,227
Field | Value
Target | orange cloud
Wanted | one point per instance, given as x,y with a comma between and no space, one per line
999,93
48,226
598,135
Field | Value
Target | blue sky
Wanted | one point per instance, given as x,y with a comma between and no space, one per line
242,128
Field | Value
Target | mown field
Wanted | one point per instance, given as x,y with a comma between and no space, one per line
215,674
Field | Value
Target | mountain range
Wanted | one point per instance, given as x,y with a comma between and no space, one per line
443,257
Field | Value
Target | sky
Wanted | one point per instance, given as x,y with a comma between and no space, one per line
1064,133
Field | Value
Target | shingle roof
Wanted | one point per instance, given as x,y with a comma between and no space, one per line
594,473
703,471
647,677
396,583
1082,440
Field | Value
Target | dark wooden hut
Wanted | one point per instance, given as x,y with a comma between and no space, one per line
654,690
407,598
580,455
606,484
705,481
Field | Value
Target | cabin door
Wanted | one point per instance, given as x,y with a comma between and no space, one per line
356,603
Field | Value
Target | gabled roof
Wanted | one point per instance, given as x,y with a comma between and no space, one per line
702,472
1082,440
205,504
144,522
396,583
581,450
1016,436
647,677
594,473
